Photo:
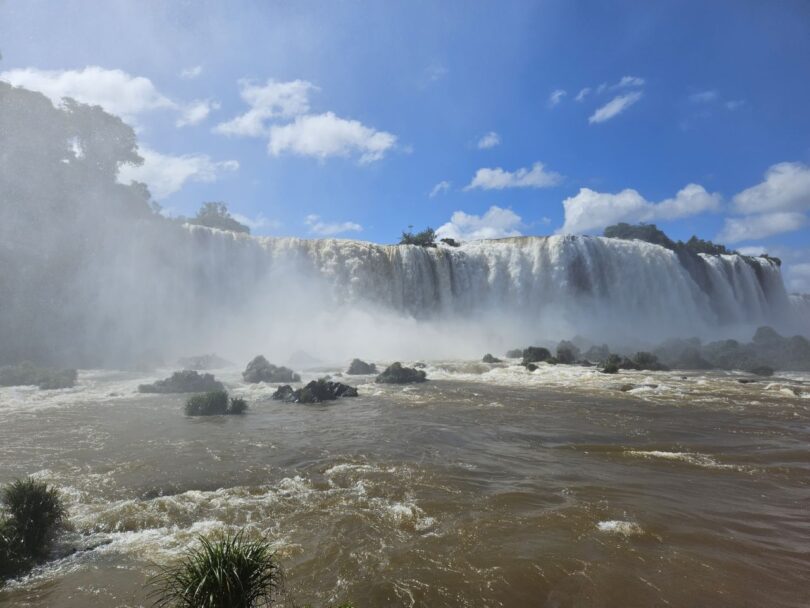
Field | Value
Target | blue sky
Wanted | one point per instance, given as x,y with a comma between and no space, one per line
342,118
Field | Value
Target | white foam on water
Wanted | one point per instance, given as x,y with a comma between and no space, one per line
616,526
693,458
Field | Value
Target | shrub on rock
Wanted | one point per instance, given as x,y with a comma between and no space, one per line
396,373
214,403
567,352
261,370
361,368
186,381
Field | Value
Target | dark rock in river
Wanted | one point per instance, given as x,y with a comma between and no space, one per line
531,367
316,391
260,370
397,374
515,353
186,381
361,368
610,368
533,354
762,370
597,353
203,362
488,358
42,377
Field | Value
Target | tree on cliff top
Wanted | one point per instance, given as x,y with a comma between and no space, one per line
216,215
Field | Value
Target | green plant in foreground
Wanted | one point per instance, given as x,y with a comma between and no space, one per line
232,572
35,511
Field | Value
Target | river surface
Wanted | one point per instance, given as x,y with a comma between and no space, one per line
486,486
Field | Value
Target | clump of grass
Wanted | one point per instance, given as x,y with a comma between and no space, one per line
33,511
232,572
215,403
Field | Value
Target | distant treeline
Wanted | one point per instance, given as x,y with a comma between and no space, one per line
650,233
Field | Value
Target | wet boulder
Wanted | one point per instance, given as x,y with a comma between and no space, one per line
316,391
761,370
261,370
531,367
488,358
361,368
396,373
533,354
610,368
597,353
186,381
515,353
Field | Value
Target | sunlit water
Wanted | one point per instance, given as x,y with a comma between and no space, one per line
487,486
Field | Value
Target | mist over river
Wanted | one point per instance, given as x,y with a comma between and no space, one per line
488,485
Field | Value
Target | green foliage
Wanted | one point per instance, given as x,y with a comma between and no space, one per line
426,238
700,246
35,510
642,232
216,215
232,572
214,403
186,381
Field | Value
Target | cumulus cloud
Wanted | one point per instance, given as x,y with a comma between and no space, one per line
754,227
191,72
268,101
442,186
165,174
797,277
614,107
589,210
786,187
490,140
498,179
316,226
196,112
556,97
496,223
325,135
115,91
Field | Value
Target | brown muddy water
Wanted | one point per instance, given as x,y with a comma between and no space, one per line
483,487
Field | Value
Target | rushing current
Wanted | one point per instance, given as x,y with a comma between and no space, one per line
487,486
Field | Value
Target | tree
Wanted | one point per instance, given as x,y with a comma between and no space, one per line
216,215
426,238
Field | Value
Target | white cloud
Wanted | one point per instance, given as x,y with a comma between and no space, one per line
704,96
798,277
196,112
556,97
325,135
114,90
786,188
496,223
191,72
433,73
165,174
735,104
442,186
629,81
490,140
269,101
258,223
583,93
316,226
754,227
614,107
590,210
498,179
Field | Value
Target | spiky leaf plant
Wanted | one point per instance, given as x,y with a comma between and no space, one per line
35,511
232,572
